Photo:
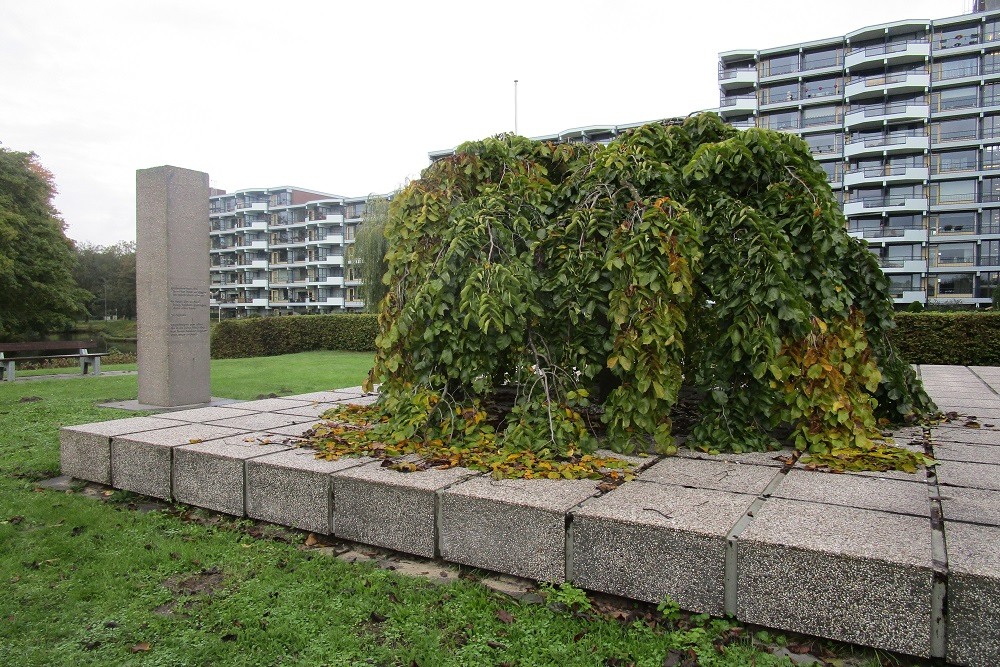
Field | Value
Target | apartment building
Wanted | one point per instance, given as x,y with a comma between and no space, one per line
904,118
283,250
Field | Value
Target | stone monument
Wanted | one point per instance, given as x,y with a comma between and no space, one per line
172,286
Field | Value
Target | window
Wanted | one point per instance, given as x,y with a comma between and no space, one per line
950,38
991,31
953,254
954,98
954,284
953,192
902,252
903,283
991,95
833,171
864,224
991,126
821,88
820,115
990,191
954,130
781,64
954,161
781,121
988,282
905,222
821,144
990,223
898,193
782,93
991,63
989,253
818,59
954,68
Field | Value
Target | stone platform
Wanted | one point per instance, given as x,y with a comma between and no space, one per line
902,562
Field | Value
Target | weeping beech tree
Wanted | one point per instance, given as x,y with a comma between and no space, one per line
589,283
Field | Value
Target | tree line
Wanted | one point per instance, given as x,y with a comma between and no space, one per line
47,282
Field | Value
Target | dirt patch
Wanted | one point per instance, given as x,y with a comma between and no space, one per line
29,399
205,582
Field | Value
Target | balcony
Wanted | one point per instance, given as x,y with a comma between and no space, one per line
885,174
904,82
329,239
909,296
876,205
889,54
903,265
891,234
737,78
891,143
739,105
354,304
875,116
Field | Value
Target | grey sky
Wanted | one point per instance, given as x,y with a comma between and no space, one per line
349,97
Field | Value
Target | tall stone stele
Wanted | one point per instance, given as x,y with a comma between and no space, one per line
172,286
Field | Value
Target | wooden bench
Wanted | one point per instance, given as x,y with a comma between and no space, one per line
50,349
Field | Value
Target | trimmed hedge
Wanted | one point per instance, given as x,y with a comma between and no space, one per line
962,338
270,336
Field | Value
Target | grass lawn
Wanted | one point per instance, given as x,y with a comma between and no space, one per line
249,378
85,582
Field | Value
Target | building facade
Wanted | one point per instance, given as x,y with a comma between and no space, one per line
283,250
904,118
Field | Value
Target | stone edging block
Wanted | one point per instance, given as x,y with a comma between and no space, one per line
143,462
294,488
85,449
844,573
391,509
651,541
512,526
211,474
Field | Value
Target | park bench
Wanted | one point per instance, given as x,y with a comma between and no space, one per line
49,349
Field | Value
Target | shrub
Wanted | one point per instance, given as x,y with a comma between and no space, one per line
963,338
270,336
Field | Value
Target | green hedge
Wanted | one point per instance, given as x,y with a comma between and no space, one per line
963,338
269,336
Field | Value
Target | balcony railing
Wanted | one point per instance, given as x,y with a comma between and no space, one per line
954,198
728,101
989,260
943,74
881,49
882,79
732,73
886,140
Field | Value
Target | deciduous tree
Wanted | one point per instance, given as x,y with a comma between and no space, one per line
37,291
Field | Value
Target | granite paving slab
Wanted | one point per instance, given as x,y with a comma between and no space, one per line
294,430
774,459
960,451
211,474
651,541
207,414
989,402
973,595
512,526
314,411
272,404
868,492
852,574
711,474
332,396
263,421
143,462
962,473
85,449
968,505
294,488
976,436
391,509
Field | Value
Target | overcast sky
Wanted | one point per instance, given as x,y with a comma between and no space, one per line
348,97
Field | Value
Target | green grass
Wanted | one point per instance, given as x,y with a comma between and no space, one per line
85,582
248,378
